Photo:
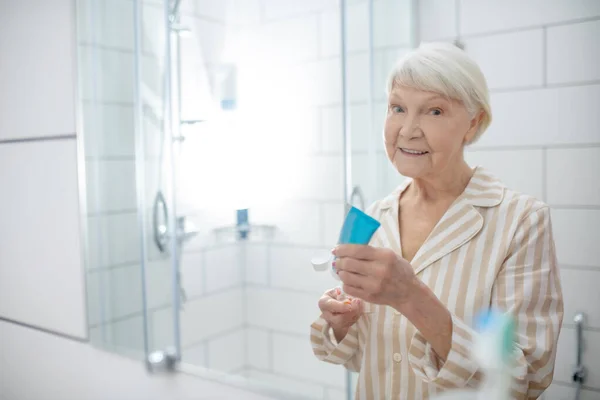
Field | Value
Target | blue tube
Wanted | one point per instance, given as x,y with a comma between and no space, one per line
358,228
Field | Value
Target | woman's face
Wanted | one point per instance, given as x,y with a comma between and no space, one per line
425,132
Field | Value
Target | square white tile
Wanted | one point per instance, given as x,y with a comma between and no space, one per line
573,176
575,235
510,60
573,52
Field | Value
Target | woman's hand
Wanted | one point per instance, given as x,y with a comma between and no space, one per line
339,311
376,275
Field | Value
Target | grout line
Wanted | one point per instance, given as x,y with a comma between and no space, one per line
95,102
585,328
272,332
574,207
66,136
529,28
109,158
126,317
269,257
280,288
544,175
561,85
271,354
544,56
214,336
578,267
47,331
572,385
108,213
206,353
534,147
296,378
100,46
457,20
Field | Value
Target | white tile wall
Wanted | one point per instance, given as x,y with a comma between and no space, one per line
37,101
580,288
227,353
520,170
561,391
109,130
293,356
109,74
290,384
126,336
573,52
120,291
546,134
281,310
510,60
217,10
279,9
437,19
161,329
111,185
332,134
573,176
318,83
542,117
291,269
255,263
222,268
258,347
113,239
195,355
291,40
333,217
40,235
489,16
391,23
153,29
335,394
357,71
575,235
566,353
295,221
330,33
211,315
192,274
107,23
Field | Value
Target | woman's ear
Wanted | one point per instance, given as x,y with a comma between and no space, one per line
474,126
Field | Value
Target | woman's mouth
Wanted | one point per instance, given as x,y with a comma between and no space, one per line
410,152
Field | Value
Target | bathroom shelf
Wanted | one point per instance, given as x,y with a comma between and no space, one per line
252,232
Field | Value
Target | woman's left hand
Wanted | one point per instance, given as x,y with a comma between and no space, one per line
376,275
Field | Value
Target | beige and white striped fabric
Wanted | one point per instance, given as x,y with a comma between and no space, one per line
492,248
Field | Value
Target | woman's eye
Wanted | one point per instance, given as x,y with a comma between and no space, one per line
436,111
397,109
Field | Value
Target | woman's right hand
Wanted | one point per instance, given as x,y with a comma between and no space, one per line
340,311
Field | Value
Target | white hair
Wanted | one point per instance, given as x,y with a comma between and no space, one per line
445,69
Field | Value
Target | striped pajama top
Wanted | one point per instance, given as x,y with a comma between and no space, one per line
492,248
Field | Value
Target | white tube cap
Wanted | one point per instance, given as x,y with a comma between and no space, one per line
322,262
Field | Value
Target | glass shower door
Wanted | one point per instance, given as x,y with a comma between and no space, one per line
162,230
132,247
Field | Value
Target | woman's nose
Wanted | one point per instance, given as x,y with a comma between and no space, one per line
410,129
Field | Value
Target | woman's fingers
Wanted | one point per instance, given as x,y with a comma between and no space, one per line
327,303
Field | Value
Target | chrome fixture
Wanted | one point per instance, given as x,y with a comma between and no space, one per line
161,361
579,372
186,230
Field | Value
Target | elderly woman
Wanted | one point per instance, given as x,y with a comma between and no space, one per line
453,241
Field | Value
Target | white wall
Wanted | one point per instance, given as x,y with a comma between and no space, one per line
541,60
36,365
41,273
